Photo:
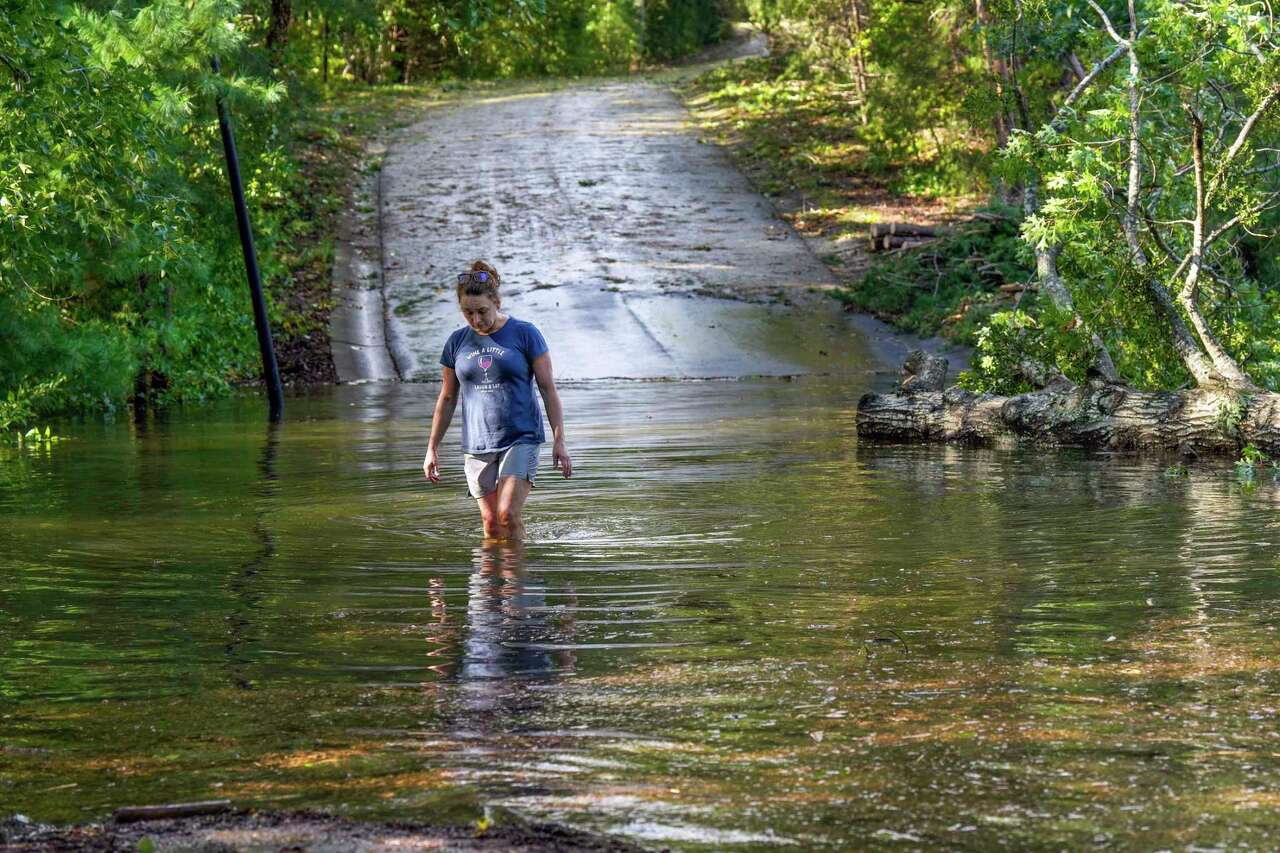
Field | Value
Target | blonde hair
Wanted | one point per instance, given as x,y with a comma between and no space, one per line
489,288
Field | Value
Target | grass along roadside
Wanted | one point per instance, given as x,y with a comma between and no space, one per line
802,145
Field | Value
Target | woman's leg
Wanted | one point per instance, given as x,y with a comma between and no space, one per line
512,492
489,516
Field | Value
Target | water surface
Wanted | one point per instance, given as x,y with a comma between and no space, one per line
734,627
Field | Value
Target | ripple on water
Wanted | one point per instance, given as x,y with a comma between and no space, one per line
731,599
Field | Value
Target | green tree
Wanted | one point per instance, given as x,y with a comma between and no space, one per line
105,200
1155,183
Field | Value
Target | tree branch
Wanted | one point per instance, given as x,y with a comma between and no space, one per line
1197,225
1135,151
1106,22
1241,138
1077,67
1223,363
1262,170
1235,220
1059,119
16,70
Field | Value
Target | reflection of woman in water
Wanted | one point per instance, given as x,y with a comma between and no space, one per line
493,361
510,632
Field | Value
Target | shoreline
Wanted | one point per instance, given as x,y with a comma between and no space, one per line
316,831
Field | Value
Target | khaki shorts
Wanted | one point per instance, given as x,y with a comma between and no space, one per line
484,470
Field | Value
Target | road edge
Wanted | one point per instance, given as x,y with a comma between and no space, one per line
358,322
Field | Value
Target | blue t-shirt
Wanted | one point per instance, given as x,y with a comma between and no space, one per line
499,406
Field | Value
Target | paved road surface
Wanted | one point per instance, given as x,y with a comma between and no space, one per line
639,251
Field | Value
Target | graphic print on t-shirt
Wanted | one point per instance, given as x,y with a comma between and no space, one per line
478,364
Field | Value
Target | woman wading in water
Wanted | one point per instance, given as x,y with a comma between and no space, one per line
493,361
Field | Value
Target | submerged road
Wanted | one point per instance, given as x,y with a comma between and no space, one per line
640,251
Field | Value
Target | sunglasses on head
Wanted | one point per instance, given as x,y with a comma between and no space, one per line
475,275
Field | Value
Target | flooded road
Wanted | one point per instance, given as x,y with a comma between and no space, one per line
735,627
606,216
638,250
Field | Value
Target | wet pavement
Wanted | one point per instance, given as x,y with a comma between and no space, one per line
639,250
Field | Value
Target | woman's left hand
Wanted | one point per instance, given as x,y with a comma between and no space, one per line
560,459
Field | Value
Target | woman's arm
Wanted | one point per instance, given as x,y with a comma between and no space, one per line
555,412
445,404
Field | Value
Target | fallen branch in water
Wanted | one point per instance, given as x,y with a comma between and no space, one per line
1096,413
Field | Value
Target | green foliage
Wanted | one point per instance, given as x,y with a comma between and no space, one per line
22,405
930,90
119,262
906,73
1231,414
36,439
1013,340
673,28
1003,343
1205,63
793,131
950,286
1251,462
404,41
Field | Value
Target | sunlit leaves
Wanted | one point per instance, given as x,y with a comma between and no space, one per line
111,215
1216,58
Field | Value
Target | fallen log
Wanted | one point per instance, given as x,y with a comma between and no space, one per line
1095,413
904,229
888,243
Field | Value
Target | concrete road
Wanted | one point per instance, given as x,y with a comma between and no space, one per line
639,251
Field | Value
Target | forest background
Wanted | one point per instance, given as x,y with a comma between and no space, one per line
1116,165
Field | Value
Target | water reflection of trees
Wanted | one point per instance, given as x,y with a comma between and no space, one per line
1065,552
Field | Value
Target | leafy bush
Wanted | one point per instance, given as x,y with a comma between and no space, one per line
673,28
1011,340
949,286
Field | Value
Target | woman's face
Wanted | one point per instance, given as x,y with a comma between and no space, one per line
481,312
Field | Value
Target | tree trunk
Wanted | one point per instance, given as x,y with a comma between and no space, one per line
324,50
858,23
278,30
1096,414
994,68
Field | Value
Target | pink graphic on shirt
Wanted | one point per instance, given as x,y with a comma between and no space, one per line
486,361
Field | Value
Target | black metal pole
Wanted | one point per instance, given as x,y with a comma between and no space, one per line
270,370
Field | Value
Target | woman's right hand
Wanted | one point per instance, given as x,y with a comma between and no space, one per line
431,465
